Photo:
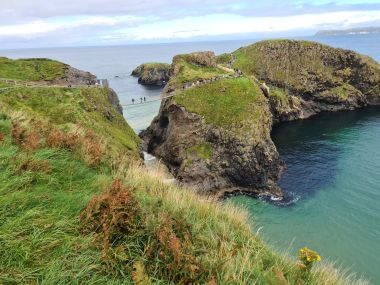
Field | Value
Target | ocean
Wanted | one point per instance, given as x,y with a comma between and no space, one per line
333,159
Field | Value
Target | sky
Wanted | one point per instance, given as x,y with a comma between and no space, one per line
46,23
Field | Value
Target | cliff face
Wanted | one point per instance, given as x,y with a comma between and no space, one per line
214,133
306,78
157,74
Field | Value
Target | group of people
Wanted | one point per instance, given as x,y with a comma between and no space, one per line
238,71
141,100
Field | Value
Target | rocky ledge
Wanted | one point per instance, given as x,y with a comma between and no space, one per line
214,132
155,74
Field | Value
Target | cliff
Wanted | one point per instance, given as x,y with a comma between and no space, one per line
78,207
214,133
156,74
306,78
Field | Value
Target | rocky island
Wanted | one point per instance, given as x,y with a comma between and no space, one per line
214,130
153,74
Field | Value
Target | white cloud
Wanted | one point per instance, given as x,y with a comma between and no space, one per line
121,29
37,29
224,24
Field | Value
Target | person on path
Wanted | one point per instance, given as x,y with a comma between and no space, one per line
133,101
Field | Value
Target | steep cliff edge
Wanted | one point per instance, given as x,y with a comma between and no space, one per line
156,74
214,132
306,78
78,207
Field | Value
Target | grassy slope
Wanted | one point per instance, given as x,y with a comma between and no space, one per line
178,237
73,108
152,65
189,72
31,69
234,104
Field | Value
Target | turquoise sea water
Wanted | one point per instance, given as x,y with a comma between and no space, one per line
333,164
333,160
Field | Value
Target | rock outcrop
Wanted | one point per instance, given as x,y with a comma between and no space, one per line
156,74
307,78
214,133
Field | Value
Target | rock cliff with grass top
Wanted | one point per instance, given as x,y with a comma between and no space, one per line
78,207
214,133
214,130
156,74
306,78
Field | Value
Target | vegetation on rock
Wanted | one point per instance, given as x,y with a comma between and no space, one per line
307,68
234,104
153,73
32,69
77,207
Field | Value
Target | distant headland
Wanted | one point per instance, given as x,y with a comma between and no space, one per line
354,31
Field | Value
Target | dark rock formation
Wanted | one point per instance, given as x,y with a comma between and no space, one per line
157,74
229,163
114,100
75,77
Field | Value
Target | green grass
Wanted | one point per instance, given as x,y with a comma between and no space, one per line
70,107
232,104
32,69
176,237
279,96
298,64
189,72
223,58
40,241
3,84
43,241
283,62
159,65
342,92
203,150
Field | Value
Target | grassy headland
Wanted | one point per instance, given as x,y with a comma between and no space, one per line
32,69
78,207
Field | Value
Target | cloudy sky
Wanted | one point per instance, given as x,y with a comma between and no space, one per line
39,23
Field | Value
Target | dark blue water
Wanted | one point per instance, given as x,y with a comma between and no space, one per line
333,160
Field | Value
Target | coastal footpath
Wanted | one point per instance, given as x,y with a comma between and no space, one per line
214,134
79,207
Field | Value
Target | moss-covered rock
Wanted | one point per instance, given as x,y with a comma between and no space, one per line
157,74
214,133
322,77
44,70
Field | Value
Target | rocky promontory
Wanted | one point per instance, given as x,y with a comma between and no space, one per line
155,74
214,130
215,134
306,78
